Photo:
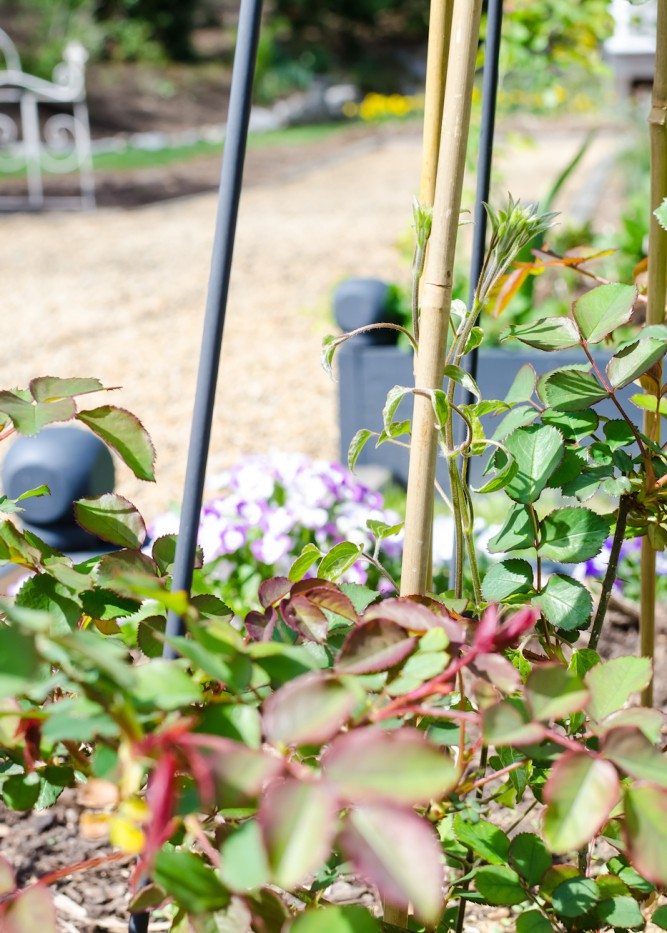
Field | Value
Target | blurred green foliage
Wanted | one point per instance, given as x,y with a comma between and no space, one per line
370,41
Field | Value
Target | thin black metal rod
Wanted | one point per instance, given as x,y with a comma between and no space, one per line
216,305
494,24
229,195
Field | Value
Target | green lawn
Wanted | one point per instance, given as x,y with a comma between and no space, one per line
133,159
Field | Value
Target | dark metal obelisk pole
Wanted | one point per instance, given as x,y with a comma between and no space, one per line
494,24
216,305
228,203
489,100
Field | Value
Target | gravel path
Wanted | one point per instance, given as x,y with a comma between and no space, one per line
120,295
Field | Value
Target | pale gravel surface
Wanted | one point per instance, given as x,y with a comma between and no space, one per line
120,295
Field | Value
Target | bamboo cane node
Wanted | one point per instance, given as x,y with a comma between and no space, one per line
658,115
436,285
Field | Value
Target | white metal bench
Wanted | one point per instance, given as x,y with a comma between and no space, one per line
59,144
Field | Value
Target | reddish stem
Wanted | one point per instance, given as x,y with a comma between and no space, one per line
496,774
436,685
59,873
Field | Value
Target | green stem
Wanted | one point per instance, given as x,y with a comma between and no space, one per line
378,566
544,627
383,325
474,569
648,465
454,480
468,532
610,575
417,272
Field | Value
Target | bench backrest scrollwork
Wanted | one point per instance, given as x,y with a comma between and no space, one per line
59,144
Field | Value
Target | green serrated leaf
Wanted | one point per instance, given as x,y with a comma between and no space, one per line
50,388
506,724
629,749
523,386
500,885
620,912
584,486
604,308
112,518
122,431
575,897
530,857
298,823
487,841
44,593
583,660
573,463
506,579
580,794
553,692
629,364
612,683
564,602
532,921
646,827
618,434
165,683
352,919
537,451
189,880
573,425
309,710
650,403
506,473
549,333
516,533
30,417
518,417
572,535
572,390
402,766
21,791
244,863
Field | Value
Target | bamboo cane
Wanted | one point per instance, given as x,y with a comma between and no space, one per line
439,31
655,313
439,35
437,289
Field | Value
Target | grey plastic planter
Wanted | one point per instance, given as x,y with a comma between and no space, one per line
368,368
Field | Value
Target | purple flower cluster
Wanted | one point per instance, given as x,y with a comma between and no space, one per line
597,566
628,579
271,506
